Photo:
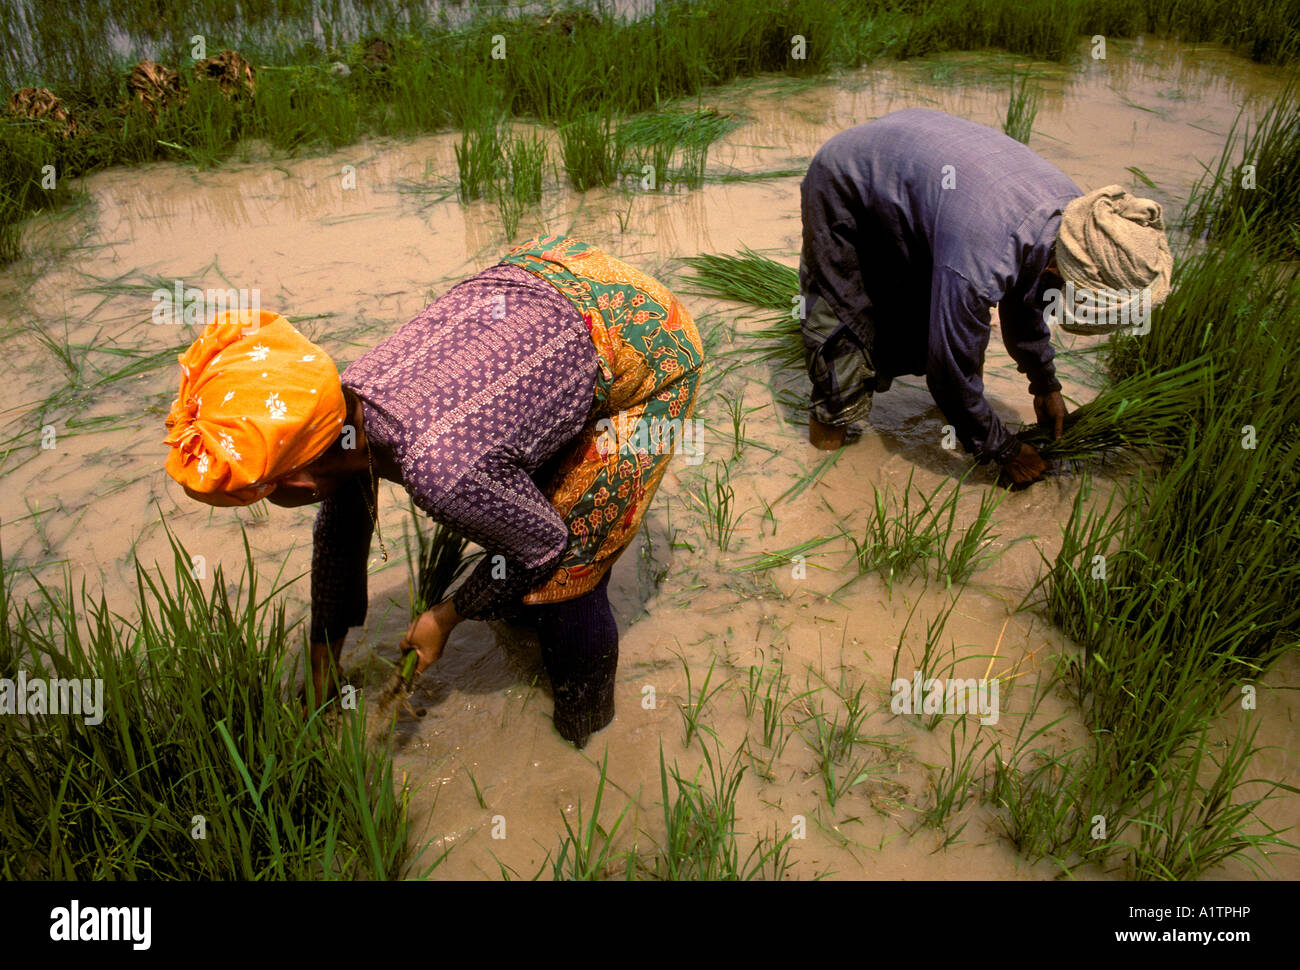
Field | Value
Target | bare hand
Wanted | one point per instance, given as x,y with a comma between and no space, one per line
1050,411
428,634
825,437
1027,466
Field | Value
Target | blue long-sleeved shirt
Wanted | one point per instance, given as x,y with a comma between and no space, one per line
925,221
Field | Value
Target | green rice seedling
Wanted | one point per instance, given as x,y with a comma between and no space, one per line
656,137
301,106
1260,193
928,665
769,693
747,277
718,502
1143,411
1022,109
1049,806
954,786
63,351
593,155
700,838
812,478
520,184
833,742
827,740
587,849
785,557
526,159
1187,828
480,157
910,538
960,561
736,411
478,792
693,709
192,720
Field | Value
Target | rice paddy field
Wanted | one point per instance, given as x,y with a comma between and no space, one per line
1134,616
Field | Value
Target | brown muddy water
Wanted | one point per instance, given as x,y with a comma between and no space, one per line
350,265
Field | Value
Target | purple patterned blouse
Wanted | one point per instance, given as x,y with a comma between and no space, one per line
473,396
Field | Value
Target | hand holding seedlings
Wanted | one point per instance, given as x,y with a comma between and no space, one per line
427,637
1025,467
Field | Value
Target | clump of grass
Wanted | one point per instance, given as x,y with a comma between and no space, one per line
903,536
586,851
1022,109
197,735
593,155
700,828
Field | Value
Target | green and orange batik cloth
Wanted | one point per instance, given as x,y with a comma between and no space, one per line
650,358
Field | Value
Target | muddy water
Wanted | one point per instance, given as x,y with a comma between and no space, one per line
350,264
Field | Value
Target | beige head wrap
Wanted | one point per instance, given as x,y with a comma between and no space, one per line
1113,245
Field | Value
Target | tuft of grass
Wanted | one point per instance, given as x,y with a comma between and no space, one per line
699,821
586,851
1021,109
196,731
903,536
1254,186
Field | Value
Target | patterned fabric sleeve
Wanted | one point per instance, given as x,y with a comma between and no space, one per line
340,546
524,536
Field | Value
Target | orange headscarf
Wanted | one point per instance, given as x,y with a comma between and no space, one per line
257,400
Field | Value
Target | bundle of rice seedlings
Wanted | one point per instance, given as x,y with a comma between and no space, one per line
762,283
746,278
439,561
1148,410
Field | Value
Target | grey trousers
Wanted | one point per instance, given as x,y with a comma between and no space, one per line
839,364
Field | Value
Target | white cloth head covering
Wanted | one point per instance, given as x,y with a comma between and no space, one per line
1113,246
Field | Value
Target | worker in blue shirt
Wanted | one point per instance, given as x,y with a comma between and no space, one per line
914,225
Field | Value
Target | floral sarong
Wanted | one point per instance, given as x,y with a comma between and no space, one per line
650,362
